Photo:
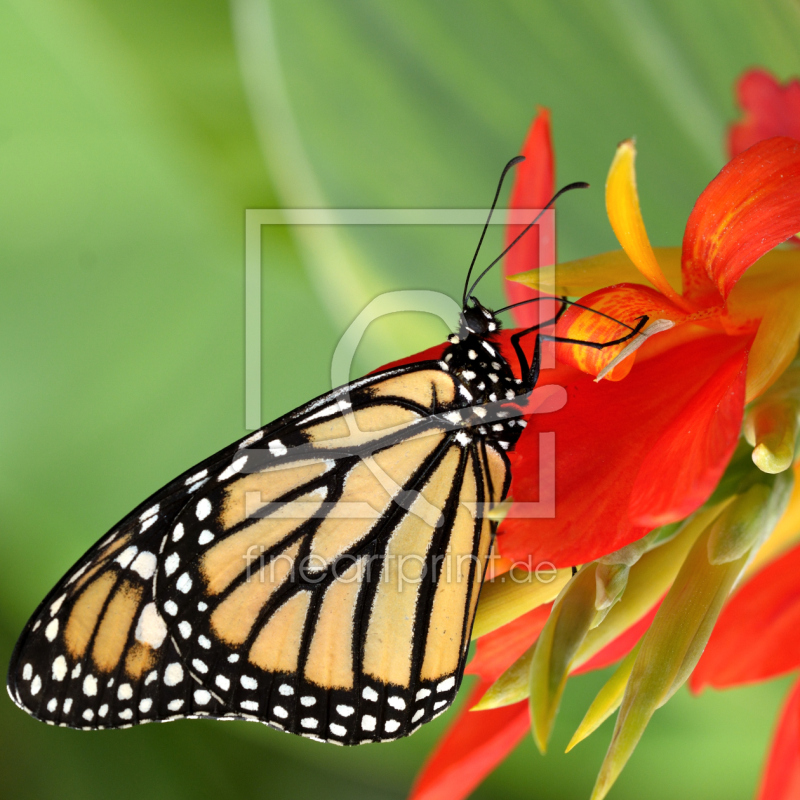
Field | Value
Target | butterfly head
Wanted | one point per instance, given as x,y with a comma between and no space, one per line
477,320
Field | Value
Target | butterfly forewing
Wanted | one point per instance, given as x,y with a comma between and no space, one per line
320,576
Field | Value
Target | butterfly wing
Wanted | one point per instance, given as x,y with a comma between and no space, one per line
319,576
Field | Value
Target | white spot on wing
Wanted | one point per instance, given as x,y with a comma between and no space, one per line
286,690
205,537
60,668
423,693
337,730
248,683
149,513
56,605
125,691
369,694
36,684
51,630
202,697
446,684
280,711
145,565
184,583
277,448
126,556
171,563
90,686
249,705
233,469
396,702
418,714
344,711
368,722
198,476
173,674
151,628
309,722
203,508
149,522
391,725
252,438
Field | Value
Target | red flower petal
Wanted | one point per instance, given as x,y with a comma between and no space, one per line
533,188
756,635
626,302
604,438
751,206
781,779
771,109
498,650
473,746
716,412
621,646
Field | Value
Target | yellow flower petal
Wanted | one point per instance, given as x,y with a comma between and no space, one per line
624,213
648,581
770,427
669,651
562,635
513,594
586,275
786,533
608,699
768,292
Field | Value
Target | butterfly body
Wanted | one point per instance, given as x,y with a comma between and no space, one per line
320,576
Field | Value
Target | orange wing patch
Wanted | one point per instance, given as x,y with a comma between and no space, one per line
418,387
277,646
389,644
446,626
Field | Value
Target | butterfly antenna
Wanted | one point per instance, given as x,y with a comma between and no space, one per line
514,161
567,188
564,300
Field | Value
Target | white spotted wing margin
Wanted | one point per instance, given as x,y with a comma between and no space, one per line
127,636
357,643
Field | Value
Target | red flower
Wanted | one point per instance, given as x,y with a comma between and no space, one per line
643,452
770,109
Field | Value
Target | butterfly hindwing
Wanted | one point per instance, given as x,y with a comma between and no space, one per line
320,575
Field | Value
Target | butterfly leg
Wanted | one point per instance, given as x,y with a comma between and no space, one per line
599,345
531,373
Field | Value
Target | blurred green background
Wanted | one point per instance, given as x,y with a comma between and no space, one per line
133,136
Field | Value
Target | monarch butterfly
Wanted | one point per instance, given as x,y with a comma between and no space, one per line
364,513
